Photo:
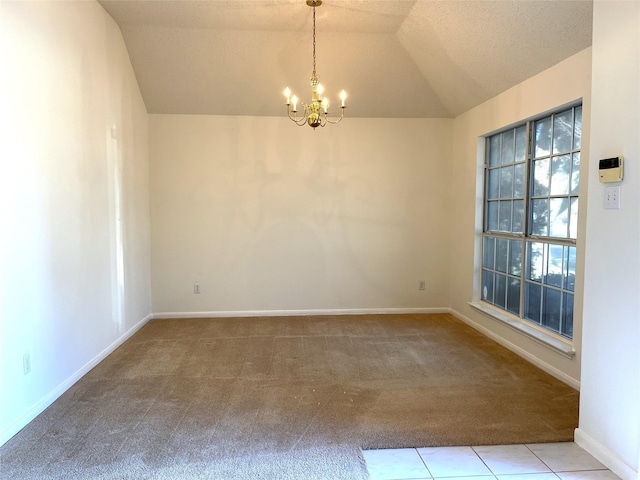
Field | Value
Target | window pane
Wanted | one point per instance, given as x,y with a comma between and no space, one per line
541,178
551,309
560,172
518,180
494,150
559,217
573,219
513,296
532,293
570,268
535,261
505,216
506,182
500,290
567,315
515,258
492,216
554,265
577,128
487,286
540,217
493,185
502,250
507,147
488,245
575,174
518,216
562,130
521,144
542,139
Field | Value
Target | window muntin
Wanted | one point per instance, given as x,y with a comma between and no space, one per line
532,178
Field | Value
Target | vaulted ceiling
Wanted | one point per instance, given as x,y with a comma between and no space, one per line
395,58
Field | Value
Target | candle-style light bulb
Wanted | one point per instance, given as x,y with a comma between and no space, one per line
294,100
287,93
343,97
325,104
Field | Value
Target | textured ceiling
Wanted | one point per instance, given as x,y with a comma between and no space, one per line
395,58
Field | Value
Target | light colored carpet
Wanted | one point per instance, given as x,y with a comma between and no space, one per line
288,398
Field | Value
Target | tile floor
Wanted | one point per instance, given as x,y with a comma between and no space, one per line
547,461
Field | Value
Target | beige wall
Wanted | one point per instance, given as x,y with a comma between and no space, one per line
267,216
610,395
74,248
566,82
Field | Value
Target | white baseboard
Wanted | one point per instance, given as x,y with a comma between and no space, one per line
551,370
52,396
289,313
605,456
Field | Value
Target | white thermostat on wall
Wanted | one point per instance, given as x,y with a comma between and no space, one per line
611,169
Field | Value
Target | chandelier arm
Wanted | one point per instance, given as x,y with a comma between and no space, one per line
333,122
300,122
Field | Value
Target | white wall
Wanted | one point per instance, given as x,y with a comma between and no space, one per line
610,395
559,85
267,216
74,250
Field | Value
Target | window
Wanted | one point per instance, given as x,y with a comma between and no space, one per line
532,176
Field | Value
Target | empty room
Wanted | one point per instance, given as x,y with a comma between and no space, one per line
304,239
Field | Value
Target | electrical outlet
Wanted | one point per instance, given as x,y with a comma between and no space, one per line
422,285
196,288
26,363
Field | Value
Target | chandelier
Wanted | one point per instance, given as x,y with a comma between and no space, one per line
316,113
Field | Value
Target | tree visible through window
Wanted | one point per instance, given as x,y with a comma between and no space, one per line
532,176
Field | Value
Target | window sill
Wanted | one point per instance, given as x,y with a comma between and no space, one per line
555,344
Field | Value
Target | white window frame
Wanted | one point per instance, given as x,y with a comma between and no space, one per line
517,320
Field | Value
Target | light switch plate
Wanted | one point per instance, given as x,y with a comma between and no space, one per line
612,198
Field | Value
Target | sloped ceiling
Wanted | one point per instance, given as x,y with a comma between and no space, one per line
395,58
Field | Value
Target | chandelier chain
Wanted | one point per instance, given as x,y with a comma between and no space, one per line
314,41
